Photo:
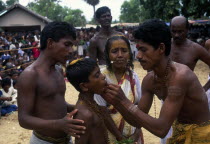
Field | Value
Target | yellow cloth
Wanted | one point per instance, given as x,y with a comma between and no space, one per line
190,134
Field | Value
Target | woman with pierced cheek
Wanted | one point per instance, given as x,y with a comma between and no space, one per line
119,70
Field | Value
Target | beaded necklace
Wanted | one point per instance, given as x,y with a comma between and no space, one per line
163,82
96,109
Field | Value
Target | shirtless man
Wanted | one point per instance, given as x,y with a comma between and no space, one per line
183,50
41,89
185,101
97,43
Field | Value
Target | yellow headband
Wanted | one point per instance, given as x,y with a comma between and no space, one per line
75,61
117,35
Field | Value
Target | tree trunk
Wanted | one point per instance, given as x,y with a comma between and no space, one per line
94,9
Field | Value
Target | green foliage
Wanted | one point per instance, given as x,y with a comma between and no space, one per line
11,2
130,11
162,9
54,11
92,21
2,5
45,7
125,141
7,4
92,2
76,18
195,8
140,10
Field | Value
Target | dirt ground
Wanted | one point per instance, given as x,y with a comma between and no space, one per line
12,133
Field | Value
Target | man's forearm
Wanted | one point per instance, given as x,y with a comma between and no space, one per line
133,115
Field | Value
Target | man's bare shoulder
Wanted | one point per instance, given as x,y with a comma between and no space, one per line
94,39
29,72
149,76
148,80
195,46
183,73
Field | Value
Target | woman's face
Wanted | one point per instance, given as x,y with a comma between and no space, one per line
119,54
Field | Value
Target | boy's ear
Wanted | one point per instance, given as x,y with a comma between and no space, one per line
83,87
162,48
49,43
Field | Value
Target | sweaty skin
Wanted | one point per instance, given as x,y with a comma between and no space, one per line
179,90
98,41
41,88
185,51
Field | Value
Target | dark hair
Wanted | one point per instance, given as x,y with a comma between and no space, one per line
56,31
101,11
154,32
5,82
108,46
80,71
13,72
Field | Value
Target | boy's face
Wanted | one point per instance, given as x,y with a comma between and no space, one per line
96,82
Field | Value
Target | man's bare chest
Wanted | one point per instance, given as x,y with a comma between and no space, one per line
48,86
184,57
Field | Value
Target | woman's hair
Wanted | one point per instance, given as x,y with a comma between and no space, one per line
108,47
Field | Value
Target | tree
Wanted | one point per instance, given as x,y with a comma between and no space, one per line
195,8
166,9
163,9
93,3
130,11
43,7
75,17
11,2
57,12
2,5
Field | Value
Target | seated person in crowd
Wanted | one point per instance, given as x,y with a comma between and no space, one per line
8,97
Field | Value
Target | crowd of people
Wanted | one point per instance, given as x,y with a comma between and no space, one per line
113,103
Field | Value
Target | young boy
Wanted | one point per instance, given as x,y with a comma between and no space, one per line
84,74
